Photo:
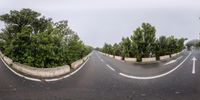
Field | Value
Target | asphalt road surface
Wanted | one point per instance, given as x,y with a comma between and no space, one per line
100,79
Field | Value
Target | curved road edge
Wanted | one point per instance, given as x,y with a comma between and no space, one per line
150,77
47,80
156,76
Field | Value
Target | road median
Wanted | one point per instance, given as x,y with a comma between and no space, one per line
42,73
149,60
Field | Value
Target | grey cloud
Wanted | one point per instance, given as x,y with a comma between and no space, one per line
100,21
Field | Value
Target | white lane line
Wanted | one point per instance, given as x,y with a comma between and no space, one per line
48,80
157,76
106,64
110,67
100,58
172,61
193,67
28,78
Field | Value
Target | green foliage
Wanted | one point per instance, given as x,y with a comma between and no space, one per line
108,48
31,39
143,43
117,49
197,45
126,47
143,40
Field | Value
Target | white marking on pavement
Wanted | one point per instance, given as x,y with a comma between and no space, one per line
105,64
193,67
28,78
157,76
110,67
172,61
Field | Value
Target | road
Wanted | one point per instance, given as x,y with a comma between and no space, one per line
100,79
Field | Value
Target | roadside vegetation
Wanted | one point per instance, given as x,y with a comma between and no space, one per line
143,43
35,40
195,43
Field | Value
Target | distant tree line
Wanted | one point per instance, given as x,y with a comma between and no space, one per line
143,43
193,44
35,40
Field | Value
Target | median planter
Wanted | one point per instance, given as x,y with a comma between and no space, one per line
144,60
41,72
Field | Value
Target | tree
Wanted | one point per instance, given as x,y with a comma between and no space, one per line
198,45
180,44
172,45
162,42
143,43
157,49
31,39
126,47
143,40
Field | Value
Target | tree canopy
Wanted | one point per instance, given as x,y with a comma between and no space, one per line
143,43
35,40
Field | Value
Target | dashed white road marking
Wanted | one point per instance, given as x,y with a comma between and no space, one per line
105,63
157,76
110,67
172,61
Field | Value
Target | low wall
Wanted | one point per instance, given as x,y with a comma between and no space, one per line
8,60
41,72
130,59
1,55
153,59
164,57
118,57
111,56
76,64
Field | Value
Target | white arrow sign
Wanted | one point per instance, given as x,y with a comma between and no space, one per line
193,68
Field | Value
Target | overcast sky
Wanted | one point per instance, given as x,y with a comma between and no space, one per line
100,21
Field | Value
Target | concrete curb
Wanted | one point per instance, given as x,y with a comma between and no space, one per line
41,72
